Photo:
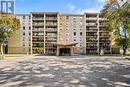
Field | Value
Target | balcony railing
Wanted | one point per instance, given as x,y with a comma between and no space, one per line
38,18
41,45
51,29
51,24
38,29
91,30
38,34
91,47
91,18
91,34
51,40
37,40
51,34
51,18
38,24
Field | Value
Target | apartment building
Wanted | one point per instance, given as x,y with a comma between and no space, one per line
98,36
52,33
44,32
71,35
20,41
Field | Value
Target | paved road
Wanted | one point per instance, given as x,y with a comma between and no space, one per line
51,71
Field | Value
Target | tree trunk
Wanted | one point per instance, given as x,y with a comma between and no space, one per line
2,53
124,50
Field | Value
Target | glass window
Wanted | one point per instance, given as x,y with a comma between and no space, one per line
23,38
29,17
81,33
23,33
23,17
23,44
23,27
29,33
74,33
29,28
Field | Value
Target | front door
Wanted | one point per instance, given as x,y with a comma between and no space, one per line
65,52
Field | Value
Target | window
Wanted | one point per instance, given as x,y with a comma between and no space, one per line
81,23
80,33
23,17
29,28
74,33
67,34
29,39
29,44
67,17
80,39
74,21
81,18
24,28
23,33
29,33
67,29
23,38
74,26
74,18
29,17
23,44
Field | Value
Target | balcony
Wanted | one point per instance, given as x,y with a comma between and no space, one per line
34,40
38,24
91,34
104,41
38,29
51,24
38,45
51,29
91,47
51,40
91,30
102,19
51,18
107,35
38,18
38,34
51,35
91,24
91,18
93,41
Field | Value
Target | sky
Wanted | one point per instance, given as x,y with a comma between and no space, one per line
62,6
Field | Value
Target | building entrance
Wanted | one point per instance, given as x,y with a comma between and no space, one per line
65,51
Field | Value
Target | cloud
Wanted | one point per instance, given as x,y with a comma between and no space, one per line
93,9
96,8
101,0
71,7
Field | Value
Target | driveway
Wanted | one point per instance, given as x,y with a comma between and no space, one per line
78,71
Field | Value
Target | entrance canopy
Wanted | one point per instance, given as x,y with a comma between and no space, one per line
71,44
65,49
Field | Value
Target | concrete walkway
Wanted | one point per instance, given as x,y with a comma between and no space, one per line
76,71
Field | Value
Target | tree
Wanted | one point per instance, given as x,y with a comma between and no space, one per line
118,15
8,25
